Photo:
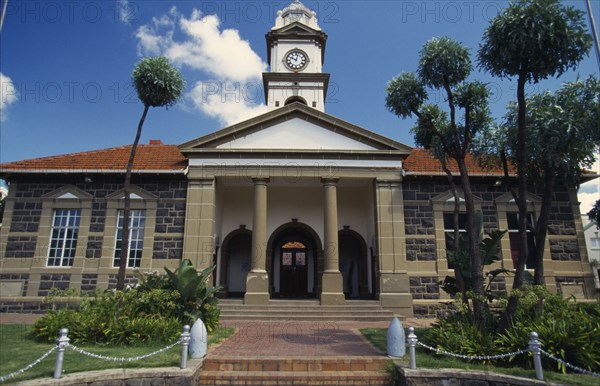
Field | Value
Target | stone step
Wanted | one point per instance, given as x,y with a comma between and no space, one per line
270,363
295,371
304,310
295,378
299,317
313,311
368,308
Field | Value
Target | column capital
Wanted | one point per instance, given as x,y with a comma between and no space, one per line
329,180
261,180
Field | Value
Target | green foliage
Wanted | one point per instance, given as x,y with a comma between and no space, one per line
405,95
535,39
444,61
115,317
197,299
458,335
594,214
562,131
566,330
155,310
157,82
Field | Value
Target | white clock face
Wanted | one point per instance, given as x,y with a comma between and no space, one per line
296,60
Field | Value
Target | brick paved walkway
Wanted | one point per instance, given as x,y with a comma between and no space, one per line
302,339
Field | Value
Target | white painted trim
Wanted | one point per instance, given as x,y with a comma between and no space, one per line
291,162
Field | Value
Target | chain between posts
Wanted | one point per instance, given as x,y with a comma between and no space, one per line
572,367
28,367
534,347
122,359
62,343
473,357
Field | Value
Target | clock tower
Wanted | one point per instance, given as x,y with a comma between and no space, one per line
296,52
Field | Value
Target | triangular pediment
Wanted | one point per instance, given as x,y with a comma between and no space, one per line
295,28
448,197
68,192
136,193
508,198
295,127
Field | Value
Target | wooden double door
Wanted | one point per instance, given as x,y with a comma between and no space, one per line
293,270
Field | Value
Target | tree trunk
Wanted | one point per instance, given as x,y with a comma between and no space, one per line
541,226
521,201
476,264
127,208
460,280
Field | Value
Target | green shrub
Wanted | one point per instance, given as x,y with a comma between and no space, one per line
567,330
115,317
154,311
458,335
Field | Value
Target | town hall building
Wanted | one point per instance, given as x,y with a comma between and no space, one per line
291,204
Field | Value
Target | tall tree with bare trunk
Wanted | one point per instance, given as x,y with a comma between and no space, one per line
158,84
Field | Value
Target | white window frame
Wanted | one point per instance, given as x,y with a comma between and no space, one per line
137,223
64,256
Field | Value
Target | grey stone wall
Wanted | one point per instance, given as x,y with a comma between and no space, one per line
425,287
129,280
418,193
21,246
89,283
564,250
167,247
430,310
26,217
170,218
94,247
56,280
98,217
560,221
418,220
420,249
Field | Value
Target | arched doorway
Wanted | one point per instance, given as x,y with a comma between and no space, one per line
235,262
294,250
353,260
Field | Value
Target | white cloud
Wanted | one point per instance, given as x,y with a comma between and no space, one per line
8,95
208,51
226,101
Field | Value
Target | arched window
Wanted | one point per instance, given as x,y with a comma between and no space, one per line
295,99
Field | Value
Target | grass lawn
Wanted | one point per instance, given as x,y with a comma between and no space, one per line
18,350
378,338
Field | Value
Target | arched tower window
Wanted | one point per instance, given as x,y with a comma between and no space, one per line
295,99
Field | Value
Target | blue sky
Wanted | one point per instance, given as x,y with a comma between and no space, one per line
66,65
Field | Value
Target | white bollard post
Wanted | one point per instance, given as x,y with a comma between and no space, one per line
62,343
199,340
185,344
396,341
412,343
535,348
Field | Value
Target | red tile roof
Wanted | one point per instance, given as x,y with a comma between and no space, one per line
153,157
161,158
421,162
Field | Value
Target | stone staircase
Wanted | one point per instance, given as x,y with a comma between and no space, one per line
304,310
296,371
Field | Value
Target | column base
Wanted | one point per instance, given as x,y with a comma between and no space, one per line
332,292
257,288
